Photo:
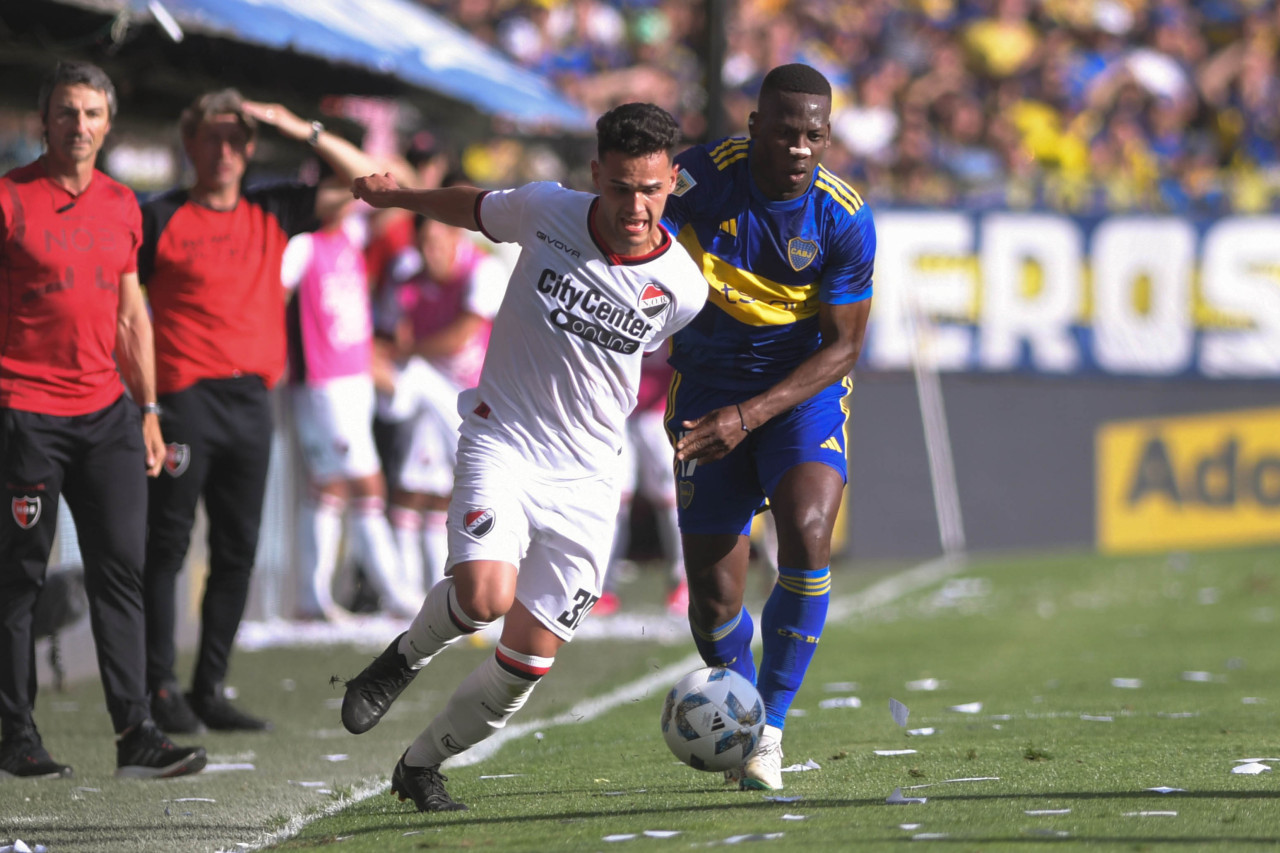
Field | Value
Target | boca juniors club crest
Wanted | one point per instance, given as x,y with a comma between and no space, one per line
26,511
654,300
478,522
801,252
176,458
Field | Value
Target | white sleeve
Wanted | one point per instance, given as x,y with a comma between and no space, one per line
501,214
297,257
487,287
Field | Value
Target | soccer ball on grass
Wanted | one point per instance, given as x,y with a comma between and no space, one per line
712,719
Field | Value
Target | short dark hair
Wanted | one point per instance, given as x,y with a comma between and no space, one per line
76,73
636,130
796,77
210,104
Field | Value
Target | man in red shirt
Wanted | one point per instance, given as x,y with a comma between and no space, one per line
69,302
211,261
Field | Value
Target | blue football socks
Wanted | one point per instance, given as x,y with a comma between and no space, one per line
791,625
729,645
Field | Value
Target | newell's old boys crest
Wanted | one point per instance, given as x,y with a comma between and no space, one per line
654,300
176,458
801,252
26,511
478,521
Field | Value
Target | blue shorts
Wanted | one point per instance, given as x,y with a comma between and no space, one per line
723,496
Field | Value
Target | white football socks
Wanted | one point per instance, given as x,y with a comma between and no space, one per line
481,705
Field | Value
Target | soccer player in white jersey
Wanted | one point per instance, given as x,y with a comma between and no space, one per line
599,281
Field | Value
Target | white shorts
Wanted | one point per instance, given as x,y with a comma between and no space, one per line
335,428
558,533
648,460
430,400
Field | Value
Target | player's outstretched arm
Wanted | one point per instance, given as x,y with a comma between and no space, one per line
454,206
715,434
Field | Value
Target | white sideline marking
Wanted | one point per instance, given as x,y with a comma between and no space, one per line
876,595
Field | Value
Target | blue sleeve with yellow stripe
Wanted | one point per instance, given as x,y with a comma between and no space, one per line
770,265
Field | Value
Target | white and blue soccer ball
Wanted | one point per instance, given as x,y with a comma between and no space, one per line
712,719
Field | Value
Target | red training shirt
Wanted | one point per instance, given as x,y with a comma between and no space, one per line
213,280
61,259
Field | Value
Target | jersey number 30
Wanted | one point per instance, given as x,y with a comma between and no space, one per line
583,601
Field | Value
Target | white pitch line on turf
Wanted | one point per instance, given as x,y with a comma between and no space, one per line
876,595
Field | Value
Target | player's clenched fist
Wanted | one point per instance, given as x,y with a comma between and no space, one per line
375,190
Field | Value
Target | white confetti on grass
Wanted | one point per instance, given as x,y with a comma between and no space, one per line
929,836
758,836
661,833
899,712
967,708
897,799
1127,683
1097,718
335,757
841,702
227,767
1252,700
1041,812
909,827
1150,814
1253,768
1252,760
795,817
1165,789
810,764
1197,675
894,751
503,776
924,684
925,732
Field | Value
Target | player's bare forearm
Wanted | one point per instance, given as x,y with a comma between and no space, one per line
844,328
717,433
454,206
135,350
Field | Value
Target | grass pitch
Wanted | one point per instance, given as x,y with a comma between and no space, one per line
1098,679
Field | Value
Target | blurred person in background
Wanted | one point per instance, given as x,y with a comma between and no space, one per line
757,405
438,304
330,362
211,261
69,238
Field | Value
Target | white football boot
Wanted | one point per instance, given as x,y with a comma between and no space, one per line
763,770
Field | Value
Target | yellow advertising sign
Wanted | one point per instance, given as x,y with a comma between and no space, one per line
1198,481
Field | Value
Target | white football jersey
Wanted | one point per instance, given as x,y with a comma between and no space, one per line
563,364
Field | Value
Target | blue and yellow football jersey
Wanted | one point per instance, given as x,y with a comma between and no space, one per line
769,264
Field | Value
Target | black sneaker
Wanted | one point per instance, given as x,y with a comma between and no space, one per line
172,714
425,786
371,693
23,756
219,714
145,753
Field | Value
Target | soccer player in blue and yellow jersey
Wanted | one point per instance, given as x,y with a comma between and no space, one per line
757,406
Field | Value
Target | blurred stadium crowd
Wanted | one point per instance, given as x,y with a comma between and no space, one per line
1083,106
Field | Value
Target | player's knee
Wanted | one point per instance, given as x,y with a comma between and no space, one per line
482,604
